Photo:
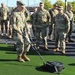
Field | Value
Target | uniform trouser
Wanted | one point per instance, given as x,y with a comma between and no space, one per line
52,30
4,22
34,30
10,29
70,31
60,40
44,37
22,44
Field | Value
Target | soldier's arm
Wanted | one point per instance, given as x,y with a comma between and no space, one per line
67,21
26,13
14,20
49,18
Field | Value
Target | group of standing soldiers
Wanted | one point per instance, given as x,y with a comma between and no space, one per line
59,23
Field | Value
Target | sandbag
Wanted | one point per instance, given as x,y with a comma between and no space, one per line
54,66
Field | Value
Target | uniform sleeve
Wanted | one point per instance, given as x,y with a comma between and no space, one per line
26,13
14,21
48,16
67,23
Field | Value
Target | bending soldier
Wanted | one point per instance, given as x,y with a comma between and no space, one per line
20,32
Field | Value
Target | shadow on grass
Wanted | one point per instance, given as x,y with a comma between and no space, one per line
72,64
6,60
41,68
8,48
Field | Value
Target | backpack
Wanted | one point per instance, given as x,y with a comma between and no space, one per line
54,66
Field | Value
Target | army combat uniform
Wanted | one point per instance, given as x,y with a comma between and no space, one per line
70,15
42,18
4,11
62,27
20,34
53,12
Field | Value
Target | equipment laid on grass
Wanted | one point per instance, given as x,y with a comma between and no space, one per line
51,66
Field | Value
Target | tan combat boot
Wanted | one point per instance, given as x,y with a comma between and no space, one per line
37,48
46,48
19,58
50,38
56,49
63,51
25,57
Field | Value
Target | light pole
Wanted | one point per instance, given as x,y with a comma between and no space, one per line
65,5
7,2
28,4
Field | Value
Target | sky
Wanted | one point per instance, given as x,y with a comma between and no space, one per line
12,3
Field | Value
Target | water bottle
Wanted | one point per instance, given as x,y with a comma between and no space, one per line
6,41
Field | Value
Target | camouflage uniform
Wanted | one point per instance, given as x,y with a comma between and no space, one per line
32,21
53,12
11,15
4,16
20,33
70,15
62,27
42,18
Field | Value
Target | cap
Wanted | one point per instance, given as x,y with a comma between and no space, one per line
20,3
69,5
41,2
55,5
60,8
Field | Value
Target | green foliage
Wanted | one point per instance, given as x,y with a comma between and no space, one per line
73,6
60,3
47,4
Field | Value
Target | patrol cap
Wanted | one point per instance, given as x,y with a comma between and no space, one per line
20,3
69,5
41,2
55,5
60,8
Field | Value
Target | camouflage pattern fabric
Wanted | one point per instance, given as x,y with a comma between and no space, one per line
62,28
20,33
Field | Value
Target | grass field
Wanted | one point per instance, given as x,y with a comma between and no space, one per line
10,66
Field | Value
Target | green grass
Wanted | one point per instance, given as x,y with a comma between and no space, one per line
9,65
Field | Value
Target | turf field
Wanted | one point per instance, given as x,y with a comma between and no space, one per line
10,66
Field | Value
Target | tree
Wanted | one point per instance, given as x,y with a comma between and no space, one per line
60,3
47,4
73,6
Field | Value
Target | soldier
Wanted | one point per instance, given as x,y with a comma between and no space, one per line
70,15
32,21
20,32
62,27
4,12
53,12
42,18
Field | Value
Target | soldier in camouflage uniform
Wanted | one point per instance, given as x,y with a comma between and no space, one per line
4,12
53,12
70,15
62,27
42,18
20,32
32,21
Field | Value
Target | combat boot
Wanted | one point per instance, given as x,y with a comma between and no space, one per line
56,49
2,34
63,51
25,57
46,48
50,38
19,58
37,48
10,36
